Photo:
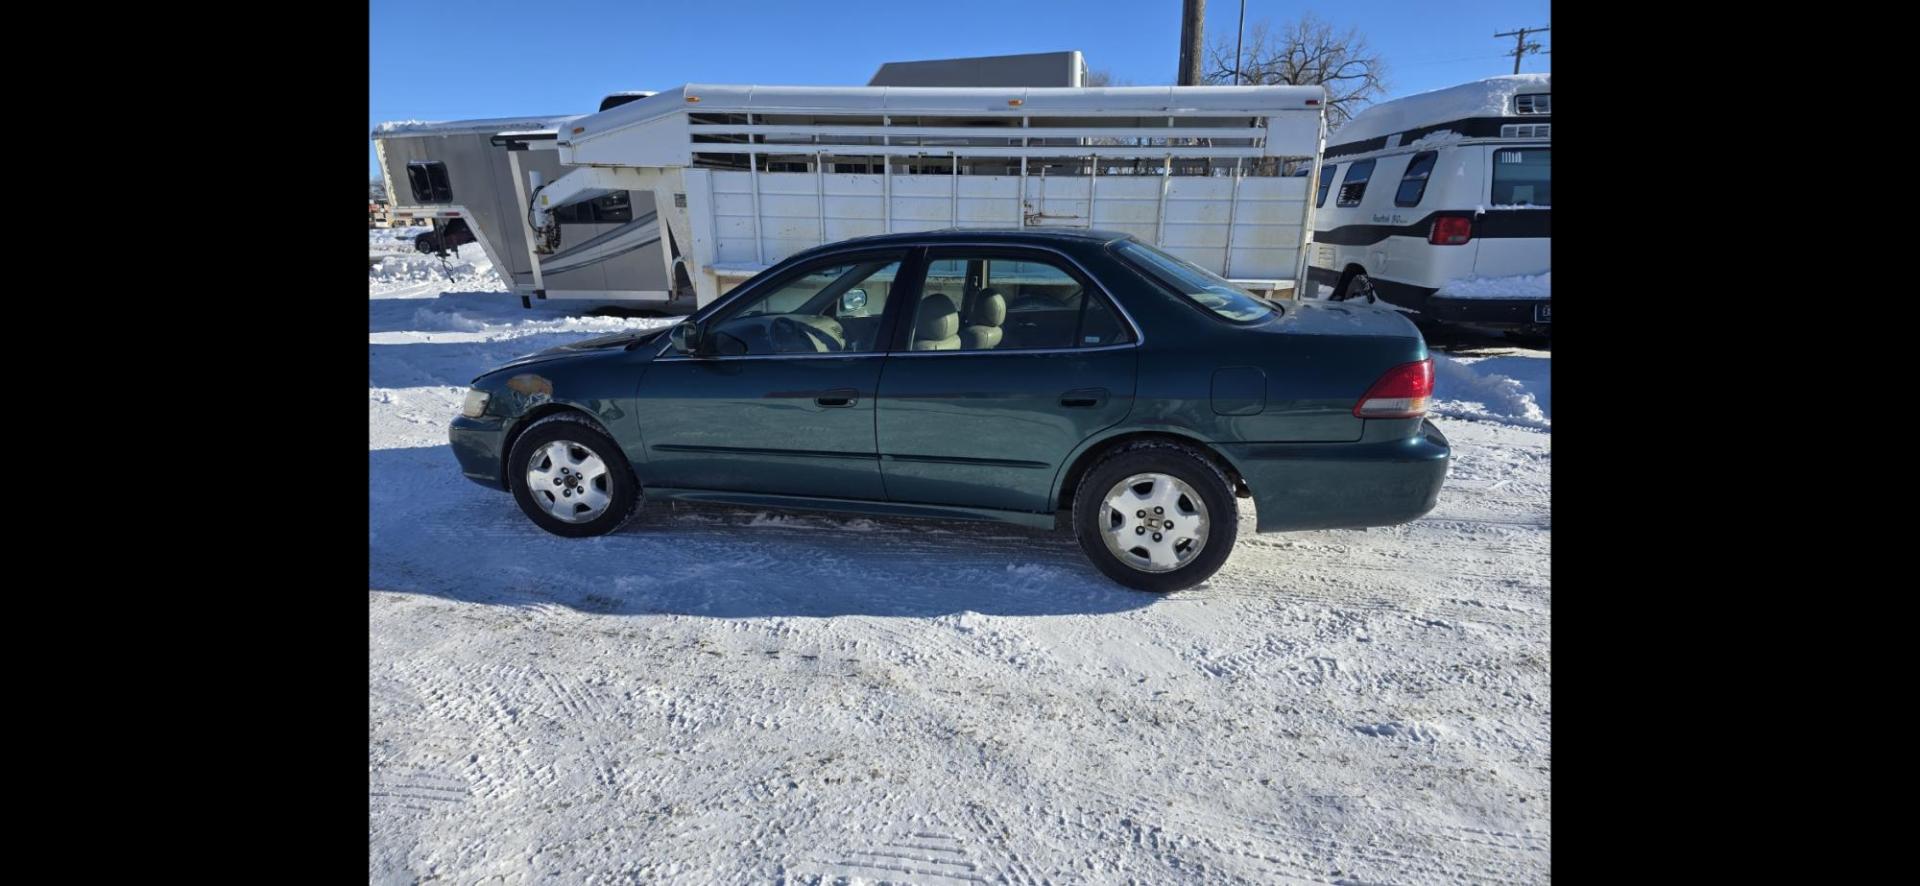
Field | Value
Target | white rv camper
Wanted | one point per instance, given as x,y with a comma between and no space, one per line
469,177
1441,204
745,176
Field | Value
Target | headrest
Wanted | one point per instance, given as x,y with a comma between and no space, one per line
938,318
989,308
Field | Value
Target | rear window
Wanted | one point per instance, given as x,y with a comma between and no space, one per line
1354,186
1201,286
1413,185
1523,177
1326,184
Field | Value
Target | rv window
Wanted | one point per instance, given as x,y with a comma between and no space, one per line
1354,186
1413,185
429,182
1522,177
1326,184
614,207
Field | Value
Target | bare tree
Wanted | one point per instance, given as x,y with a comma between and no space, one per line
1305,52
376,188
1102,77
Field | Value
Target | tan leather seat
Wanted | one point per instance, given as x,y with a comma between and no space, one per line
937,327
982,331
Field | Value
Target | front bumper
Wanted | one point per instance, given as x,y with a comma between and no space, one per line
476,443
1493,313
1300,486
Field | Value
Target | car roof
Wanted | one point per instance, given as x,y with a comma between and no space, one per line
1010,236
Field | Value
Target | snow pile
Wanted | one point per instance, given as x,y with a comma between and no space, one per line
1482,98
1521,286
1487,389
488,125
403,272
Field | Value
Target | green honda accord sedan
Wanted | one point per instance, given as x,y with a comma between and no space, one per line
983,375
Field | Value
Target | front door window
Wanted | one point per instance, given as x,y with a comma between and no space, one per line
826,309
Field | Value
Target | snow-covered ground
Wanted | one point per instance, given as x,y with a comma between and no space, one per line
719,695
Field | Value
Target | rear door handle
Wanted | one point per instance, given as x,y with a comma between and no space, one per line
838,397
1083,398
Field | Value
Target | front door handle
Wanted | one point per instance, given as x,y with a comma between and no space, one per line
838,397
1083,398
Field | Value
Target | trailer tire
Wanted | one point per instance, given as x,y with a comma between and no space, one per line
1347,289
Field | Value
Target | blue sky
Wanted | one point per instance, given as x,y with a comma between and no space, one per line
440,61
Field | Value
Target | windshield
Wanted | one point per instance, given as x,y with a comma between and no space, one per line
1204,287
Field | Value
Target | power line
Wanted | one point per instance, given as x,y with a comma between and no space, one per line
1448,61
1520,45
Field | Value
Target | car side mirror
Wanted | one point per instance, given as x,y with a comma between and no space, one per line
852,300
687,336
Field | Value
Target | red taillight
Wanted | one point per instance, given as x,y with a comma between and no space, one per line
1451,230
1402,393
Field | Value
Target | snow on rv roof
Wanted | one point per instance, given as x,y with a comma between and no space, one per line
1481,98
1142,100
488,126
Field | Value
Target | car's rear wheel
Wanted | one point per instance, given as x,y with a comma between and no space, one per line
571,479
1156,515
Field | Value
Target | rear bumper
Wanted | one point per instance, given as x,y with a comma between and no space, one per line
1493,313
1343,485
476,443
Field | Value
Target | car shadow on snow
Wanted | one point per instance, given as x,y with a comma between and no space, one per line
431,531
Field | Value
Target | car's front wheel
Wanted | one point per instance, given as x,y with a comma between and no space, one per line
1156,515
571,479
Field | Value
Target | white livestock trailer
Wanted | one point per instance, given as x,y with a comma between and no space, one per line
744,176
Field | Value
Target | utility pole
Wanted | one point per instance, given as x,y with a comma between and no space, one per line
1520,45
1240,32
1193,15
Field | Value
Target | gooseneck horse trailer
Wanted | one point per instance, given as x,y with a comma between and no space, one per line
728,180
463,171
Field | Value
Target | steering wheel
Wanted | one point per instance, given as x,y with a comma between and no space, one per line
789,336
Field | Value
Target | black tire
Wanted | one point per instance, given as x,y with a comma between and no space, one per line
1177,460
620,485
1346,289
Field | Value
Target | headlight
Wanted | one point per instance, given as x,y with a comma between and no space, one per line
475,404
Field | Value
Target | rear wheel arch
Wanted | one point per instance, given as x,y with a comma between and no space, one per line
1091,453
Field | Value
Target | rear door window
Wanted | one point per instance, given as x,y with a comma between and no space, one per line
1006,300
